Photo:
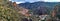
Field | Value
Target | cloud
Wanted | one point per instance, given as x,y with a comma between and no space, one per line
10,0
51,0
31,1
23,1
36,0
16,0
19,2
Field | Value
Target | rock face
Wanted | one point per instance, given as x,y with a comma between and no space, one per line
21,10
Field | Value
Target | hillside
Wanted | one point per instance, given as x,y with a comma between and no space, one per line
8,12
38,4
35,7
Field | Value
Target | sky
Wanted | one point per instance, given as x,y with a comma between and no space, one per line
31,1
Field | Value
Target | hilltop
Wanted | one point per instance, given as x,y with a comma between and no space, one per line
35,7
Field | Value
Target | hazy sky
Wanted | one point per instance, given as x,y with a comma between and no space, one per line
31,1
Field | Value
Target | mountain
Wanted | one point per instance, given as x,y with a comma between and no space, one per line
37,4
35,7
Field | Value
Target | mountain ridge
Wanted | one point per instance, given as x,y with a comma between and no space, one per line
37,4
37,7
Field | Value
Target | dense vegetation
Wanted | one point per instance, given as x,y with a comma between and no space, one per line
8,13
